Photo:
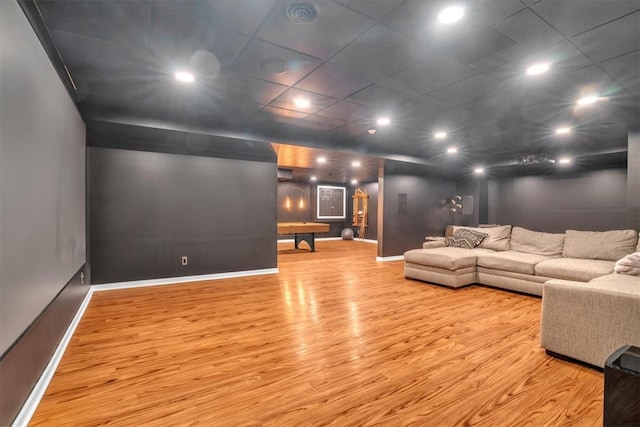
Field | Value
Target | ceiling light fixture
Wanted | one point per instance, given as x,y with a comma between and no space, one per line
478,171
538,69
452,150
301,102
355,164
440,135
354,181
563,131
185,77
372,131
383,121
313,178
321,159
451,15
588,100
564,161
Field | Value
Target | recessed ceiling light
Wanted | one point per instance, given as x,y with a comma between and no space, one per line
321,159
537,69
587,100
564,160
563,131
371,131
355,164
183,76
452,150
383,121
478,171
301,102
354,181
440,135
313,178
450,15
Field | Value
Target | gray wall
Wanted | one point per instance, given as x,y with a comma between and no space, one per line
42,167
150,209
633,181
592,200
42,209
424,215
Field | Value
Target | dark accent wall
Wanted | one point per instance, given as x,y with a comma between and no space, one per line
633,181
22,366
425,212
42,214
150,209
587,200
371,231
294,192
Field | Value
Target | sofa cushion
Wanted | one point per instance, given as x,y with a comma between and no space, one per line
447,258
618,283
607,245
518,262
535,242
497,237
638,245
578,269
465,239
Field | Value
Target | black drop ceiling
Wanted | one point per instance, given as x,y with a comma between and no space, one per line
357,60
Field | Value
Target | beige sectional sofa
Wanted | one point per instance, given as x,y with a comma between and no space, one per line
587,310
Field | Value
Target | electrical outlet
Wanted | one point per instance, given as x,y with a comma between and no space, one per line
185,260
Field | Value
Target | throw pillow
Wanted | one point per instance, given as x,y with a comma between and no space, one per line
629,264
465,238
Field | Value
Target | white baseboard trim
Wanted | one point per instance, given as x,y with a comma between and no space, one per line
32,402
366,240
390,258
182,279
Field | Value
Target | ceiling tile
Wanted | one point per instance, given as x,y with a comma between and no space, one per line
613,39
425,105
433,73
318,122
623,67
572,17
317,102
469,89
583,82
333,28
502,102
283,112
382,97
117,21
380,52
268,62
480,44
178,41
530,34
563,57
345,111
232,14
245,89
333,80
374,9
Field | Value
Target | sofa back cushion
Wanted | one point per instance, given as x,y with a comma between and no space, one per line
535,242
497,237
607,245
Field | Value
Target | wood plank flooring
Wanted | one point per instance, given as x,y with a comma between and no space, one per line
335,338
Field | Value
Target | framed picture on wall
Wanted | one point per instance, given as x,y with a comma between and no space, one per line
331,202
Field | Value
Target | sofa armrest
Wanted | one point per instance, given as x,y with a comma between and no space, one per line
588,321
433,244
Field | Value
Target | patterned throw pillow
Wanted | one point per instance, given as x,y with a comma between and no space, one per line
464,238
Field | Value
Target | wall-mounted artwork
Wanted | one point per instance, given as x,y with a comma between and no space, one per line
331,202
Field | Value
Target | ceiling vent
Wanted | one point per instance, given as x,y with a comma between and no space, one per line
302,12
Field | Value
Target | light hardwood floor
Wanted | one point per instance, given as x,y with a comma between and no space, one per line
335,338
